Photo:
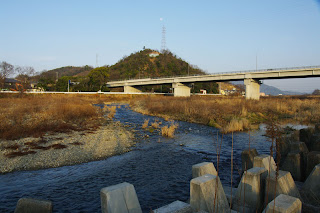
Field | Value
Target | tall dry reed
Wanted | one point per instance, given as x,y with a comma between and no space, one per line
36,115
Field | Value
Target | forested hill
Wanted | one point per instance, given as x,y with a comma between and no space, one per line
67,71
149,63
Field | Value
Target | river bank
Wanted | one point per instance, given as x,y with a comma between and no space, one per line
232,114
61,149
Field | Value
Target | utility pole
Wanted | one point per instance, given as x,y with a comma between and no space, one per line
256,61
188,69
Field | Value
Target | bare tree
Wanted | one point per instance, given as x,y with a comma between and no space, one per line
24,75
6,69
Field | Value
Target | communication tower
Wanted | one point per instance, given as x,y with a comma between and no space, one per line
163,41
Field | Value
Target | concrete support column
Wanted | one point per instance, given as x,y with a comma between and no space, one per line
130,89
181,90
252,88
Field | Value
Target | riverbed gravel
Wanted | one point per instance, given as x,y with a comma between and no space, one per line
55,150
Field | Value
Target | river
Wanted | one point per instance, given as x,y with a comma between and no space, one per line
158,167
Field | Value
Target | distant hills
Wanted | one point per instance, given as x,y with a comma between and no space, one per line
146,63
271,90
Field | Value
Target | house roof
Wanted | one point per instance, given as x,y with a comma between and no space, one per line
11,80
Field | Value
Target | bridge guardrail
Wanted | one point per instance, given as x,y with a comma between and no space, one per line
231,72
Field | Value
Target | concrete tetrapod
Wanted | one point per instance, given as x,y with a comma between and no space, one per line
120,198
265,161
284,203
247,158
206,193
250,191
292,164
311,186
204,168
175,207
283,184
31,205
313,160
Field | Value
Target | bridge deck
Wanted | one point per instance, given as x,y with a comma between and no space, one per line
299,72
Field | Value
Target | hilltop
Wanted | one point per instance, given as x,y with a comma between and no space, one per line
146,63
150,64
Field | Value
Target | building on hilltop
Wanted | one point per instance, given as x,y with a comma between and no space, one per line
154,54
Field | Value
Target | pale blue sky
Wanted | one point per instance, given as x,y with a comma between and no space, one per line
217,36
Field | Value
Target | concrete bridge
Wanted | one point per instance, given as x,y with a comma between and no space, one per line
181,85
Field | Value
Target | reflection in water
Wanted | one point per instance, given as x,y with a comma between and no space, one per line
160,171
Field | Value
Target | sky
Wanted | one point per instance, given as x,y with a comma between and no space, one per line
217,36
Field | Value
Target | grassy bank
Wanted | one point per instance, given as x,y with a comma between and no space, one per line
232,113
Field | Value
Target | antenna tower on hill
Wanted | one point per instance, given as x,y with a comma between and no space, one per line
163,41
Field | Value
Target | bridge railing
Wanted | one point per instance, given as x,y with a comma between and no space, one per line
229,72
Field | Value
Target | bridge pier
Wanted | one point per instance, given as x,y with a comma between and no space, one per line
252,89
130,89
180,90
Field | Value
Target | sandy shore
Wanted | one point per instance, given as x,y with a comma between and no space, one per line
64,148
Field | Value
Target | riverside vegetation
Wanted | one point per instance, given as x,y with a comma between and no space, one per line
45,131
231,113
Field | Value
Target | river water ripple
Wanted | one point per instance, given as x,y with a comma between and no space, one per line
160,171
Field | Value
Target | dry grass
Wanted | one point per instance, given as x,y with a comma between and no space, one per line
145,124
168,131
111,111
232,113
155,124
37,115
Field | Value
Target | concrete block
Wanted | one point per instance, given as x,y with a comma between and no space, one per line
227,192
284,203
265,161
284,184
120,198
175,207
317,128
312,185
314,144
250,190
31,205
305,135
204,168
292,164
247,157
313,160
206,193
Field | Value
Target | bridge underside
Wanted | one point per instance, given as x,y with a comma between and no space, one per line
251,80
184,90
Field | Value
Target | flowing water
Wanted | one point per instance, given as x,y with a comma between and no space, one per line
158,167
